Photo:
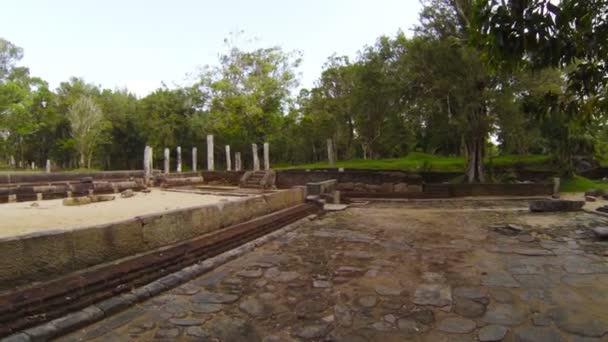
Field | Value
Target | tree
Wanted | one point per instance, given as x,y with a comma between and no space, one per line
244,99
86,122
570,35
9,55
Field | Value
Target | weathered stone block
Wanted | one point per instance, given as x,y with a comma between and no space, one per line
555,205
348,186
48,252
386,187
12,261
400,187
414,188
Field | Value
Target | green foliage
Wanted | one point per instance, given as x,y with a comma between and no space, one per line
581,184
416,161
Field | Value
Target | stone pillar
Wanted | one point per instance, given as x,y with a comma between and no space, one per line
179,159
256,159
33,165
336,197
194,151
147,164
210,161
228,159
48,166
266,156
556,186
237,161
330,153
13,164
167,159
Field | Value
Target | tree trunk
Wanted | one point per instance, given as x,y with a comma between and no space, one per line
81,161
475,154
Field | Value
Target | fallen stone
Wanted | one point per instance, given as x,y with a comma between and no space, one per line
312,331
267,296
508,229
233,329
343,315
469,308
127,193
603,209
471,292
358,255
411,327
205,307
383,290
390,318
422,315
525,238
252,307
601,232
504,314
250,273
433,294
499,279
555,205
595,192
578,322
215,298
534,334
197,332
590,198
186,322
492,333
322,284
166,333
286,277
368,301
456,325
382,326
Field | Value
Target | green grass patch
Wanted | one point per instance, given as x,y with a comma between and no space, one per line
417,161
581,184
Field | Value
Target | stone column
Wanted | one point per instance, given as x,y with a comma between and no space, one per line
330,153
194,151
167,159
147,163
48,166
237,161
210,161
256,159
33,165
13,164
228,159
266,156
556,186
179,159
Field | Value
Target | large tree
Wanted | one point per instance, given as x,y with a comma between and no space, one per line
86,123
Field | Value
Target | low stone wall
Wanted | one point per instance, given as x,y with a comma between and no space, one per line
56,177
44,255
464,190
351,180
222,177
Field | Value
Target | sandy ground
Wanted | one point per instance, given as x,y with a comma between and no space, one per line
22,218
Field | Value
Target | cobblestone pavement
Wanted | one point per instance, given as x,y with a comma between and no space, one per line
395,272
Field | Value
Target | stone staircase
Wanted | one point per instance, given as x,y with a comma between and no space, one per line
258,180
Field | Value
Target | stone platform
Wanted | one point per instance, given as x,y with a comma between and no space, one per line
395,272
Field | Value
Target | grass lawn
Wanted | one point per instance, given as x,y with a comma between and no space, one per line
417,161
581,184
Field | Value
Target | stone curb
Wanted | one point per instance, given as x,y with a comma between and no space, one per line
110,306
589,211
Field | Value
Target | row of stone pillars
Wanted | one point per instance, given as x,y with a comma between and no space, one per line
210,158
13,164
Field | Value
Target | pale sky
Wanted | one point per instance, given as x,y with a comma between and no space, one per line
138,44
